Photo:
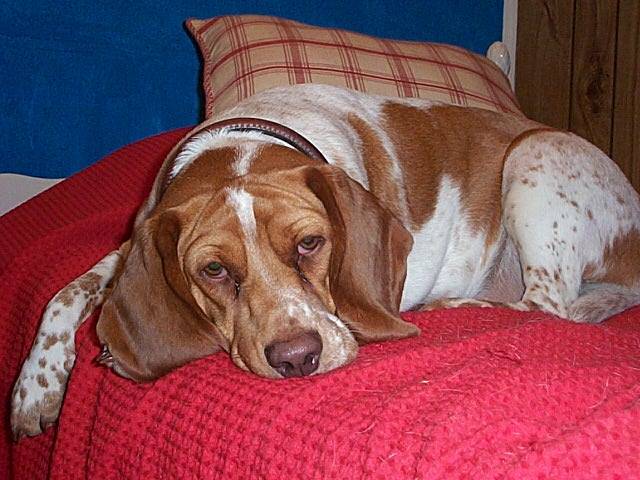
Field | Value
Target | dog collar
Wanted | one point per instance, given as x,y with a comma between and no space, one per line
271,129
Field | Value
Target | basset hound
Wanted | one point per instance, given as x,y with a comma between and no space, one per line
298,224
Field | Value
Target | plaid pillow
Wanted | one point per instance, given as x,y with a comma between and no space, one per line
246,54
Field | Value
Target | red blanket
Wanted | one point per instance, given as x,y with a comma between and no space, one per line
482,393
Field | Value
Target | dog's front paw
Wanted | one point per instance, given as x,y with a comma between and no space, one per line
38,392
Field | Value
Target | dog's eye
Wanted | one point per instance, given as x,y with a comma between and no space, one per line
309,244
215,271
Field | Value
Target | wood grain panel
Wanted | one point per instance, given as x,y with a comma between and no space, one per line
594,52
543,60
626,118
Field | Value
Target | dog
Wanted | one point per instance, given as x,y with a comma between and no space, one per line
299,223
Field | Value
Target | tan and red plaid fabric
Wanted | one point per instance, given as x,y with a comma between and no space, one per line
246,54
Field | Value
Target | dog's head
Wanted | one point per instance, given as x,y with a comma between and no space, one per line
287,269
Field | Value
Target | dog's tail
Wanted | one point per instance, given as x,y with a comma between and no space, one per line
599,301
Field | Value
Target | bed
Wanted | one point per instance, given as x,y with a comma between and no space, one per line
481,393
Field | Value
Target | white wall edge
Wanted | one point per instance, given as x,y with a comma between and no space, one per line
16,189
510,35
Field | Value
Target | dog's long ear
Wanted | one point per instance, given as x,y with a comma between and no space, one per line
368,258
149,323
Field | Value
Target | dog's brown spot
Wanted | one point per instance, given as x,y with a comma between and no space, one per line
589,215
23,393
89,280
64,337
428,149
216,167
541,273
66,296
50,341
69,359
50,407
68,364
620,262
61,377
42,362
42,380
378,166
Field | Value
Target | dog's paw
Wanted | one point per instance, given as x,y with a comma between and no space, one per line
39,390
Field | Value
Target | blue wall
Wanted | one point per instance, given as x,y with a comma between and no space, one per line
79,79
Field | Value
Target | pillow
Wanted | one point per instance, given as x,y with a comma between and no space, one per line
246,54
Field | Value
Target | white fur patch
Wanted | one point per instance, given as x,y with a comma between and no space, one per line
334,333
248,151
242,203
448,257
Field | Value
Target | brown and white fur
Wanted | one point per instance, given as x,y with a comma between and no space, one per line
475,207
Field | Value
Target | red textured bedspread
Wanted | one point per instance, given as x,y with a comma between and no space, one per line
482,393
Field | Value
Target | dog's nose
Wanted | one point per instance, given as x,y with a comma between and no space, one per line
297,357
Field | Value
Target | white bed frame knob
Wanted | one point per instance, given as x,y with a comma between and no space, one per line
498,53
